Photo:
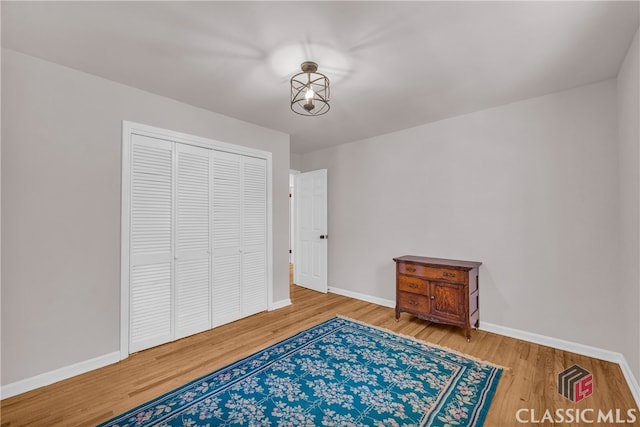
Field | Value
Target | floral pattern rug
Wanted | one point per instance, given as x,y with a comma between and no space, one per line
338,373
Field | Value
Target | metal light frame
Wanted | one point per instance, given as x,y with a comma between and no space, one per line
309,78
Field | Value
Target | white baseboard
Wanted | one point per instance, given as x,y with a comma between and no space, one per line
558,343
573,347
279,304
631,380
60,374
368,298
56,375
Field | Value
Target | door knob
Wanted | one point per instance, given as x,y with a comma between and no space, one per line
324,236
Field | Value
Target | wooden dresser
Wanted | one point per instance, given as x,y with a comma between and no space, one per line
438,290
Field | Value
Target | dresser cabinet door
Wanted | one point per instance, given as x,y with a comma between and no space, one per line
447,301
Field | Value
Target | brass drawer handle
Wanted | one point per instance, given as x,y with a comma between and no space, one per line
447,274
410,269
412,285
412,302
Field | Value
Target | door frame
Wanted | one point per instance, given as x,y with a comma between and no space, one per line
128,130
292,214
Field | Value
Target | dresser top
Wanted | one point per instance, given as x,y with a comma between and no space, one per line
467,265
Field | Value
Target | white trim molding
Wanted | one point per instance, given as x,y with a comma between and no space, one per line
631,380
558,343
573,347
279,304
59,374
368,298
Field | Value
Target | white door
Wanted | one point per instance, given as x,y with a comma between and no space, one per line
310,266
151,254
192,270
227,237
254,236
195,236
239,284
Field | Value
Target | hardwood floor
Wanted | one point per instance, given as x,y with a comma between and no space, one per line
529,381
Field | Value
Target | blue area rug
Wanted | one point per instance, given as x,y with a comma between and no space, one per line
338,373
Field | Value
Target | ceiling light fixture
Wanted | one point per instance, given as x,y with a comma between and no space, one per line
309,91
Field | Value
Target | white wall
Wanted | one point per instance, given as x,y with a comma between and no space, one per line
629,139
530,189
61,169
296,161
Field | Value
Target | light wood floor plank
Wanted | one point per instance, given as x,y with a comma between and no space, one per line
529,381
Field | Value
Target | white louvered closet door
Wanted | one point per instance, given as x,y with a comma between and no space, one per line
226,237
254,235
151,254
194,238
192,312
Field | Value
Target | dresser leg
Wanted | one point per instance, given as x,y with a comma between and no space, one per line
468,333
397,315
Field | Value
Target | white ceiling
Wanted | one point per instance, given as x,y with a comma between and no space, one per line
393,65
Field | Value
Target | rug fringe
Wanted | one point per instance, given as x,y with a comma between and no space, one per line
441,347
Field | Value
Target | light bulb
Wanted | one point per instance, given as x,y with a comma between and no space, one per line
309,95
309,98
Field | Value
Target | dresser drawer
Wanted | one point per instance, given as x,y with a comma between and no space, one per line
428,272
412,269
413,285
446,274
413,302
